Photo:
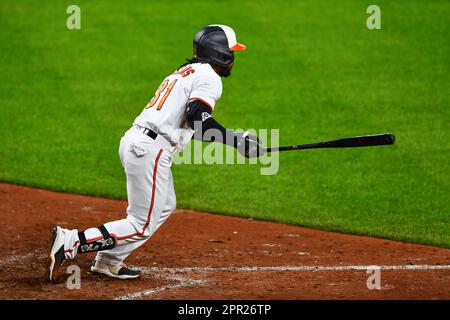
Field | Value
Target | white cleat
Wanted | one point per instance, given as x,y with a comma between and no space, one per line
57,256
119,271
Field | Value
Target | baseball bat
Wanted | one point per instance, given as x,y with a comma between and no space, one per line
353,142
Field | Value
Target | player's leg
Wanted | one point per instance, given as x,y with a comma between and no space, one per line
65,243
118,254
119,238
148,169
170,204
72,237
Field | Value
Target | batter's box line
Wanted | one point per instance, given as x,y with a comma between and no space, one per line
184,282
293,268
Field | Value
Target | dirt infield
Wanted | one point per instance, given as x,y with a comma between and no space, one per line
205,256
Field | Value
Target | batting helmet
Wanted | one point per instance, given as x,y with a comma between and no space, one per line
216,44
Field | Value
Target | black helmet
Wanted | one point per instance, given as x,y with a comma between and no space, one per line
216,44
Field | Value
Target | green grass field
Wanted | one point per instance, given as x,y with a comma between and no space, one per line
312,70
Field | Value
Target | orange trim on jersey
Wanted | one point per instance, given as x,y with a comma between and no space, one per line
151,202
202,101
238,47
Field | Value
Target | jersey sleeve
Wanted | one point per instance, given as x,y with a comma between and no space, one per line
207,89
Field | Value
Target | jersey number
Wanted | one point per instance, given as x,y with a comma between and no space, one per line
165,85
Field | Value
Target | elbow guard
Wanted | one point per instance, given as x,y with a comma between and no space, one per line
197,111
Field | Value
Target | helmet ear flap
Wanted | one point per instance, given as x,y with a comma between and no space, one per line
226,58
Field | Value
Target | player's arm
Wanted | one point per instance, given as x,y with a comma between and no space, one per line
199,118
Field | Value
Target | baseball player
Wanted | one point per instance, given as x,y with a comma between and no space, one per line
180,110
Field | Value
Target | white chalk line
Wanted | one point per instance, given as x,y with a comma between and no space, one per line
184,282
16,260
295,268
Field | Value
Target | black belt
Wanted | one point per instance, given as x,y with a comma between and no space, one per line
152,134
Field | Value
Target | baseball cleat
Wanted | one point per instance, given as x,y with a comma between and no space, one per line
57,256
119,271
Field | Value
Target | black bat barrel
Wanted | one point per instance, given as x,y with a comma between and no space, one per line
354,142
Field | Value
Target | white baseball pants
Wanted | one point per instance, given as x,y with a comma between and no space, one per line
151,197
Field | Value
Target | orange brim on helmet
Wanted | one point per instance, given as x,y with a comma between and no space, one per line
238,47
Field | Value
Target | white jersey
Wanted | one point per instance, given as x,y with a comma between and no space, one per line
165,113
